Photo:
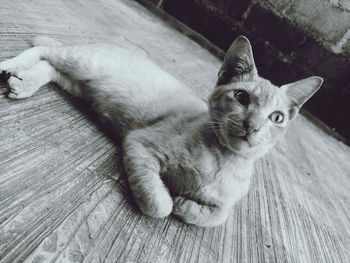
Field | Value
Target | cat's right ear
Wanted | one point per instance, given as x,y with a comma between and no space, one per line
238,63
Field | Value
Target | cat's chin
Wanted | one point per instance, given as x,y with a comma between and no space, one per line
239,144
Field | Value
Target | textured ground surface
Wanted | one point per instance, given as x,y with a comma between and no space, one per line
63,196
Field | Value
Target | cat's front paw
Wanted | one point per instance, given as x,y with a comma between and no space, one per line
156,205
23,85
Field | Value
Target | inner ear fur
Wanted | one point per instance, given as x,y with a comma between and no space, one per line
238,63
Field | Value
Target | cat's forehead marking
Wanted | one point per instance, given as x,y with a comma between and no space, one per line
267,97
265,93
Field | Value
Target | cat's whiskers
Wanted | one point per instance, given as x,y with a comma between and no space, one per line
218,115
217,121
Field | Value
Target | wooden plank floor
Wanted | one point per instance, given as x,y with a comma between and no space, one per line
63,193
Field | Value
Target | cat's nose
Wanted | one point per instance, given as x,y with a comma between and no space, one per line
246,125
252,126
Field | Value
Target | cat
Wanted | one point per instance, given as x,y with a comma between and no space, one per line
182,155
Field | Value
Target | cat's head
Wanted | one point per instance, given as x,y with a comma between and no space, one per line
248,113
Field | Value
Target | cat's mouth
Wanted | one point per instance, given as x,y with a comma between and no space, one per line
245,138
242,135
238,132
234,136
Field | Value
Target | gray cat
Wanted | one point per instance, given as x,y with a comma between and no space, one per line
181,154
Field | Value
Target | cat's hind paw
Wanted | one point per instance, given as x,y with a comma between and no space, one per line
186,209
204,215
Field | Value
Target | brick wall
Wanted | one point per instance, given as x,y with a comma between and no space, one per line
291,39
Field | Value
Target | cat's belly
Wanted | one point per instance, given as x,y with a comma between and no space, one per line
182,181
224,193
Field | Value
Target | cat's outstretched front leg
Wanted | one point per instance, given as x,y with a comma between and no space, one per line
29,57
143,169
26,82
197,214
23,61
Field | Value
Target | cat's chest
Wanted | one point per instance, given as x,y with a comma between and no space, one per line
229,183
209,179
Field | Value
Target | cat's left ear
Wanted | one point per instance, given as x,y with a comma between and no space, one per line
300,91
238,63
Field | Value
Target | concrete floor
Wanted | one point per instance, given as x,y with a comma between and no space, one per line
63,193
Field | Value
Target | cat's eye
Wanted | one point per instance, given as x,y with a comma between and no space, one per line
242,97
277,117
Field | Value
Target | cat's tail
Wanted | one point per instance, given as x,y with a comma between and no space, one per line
43,41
